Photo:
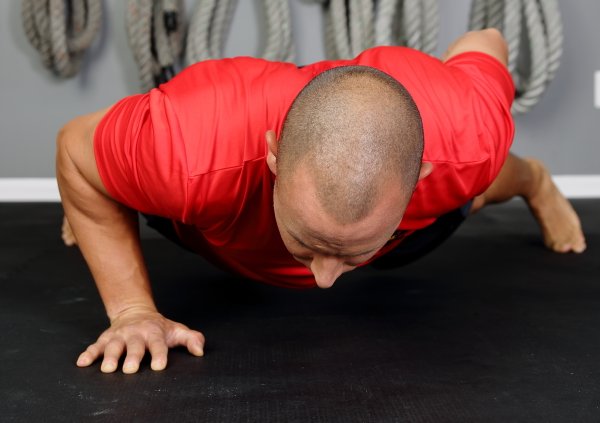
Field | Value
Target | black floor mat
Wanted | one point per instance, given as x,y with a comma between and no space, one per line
490,327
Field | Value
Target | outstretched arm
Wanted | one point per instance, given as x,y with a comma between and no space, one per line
107,234
528,178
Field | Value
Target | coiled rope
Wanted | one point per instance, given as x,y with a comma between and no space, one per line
533,66
419,24
208,29
352,26
156,31
61,30
210,24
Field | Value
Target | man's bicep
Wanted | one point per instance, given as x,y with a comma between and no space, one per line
488,41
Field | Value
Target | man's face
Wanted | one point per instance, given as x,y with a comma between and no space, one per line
325,246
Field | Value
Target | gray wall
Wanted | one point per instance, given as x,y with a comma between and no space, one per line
563,129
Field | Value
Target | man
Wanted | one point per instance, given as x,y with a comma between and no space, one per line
293,176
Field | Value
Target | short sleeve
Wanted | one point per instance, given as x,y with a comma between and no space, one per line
491,93
140,155
468,129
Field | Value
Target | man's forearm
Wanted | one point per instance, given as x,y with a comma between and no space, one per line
106,231
108,236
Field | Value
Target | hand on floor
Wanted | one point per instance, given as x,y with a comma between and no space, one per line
136,330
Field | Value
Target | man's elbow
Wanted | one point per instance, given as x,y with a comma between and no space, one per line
489,41
497,43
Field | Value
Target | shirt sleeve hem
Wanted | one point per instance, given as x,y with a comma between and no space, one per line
502,70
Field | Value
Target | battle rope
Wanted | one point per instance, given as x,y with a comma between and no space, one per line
211,20
156,31
533,67
208,29
352,26
61,31
418,28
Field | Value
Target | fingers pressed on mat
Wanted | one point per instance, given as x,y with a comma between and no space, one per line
90,355
158,350
136,348
113,351
195,343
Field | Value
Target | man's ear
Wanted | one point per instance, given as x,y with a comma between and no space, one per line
426,169
272,144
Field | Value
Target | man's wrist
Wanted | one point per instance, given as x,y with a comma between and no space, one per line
131,308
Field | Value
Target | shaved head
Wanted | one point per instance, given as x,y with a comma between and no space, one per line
356,131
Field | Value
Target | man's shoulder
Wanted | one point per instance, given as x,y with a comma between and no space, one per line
236,67
388,56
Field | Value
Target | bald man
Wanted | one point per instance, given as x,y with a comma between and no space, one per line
293,176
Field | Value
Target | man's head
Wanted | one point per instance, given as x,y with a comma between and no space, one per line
347,162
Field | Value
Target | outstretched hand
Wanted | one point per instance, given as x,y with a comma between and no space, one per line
136,330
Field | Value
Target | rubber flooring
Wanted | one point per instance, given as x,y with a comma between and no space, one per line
490,327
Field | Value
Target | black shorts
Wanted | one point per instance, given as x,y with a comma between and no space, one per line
413,247
423,241
164,227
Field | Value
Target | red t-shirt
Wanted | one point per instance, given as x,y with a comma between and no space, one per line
194,149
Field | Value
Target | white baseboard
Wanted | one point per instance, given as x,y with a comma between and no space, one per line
15,190
46,190
578,186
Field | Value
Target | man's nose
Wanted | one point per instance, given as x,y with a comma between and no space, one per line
326,270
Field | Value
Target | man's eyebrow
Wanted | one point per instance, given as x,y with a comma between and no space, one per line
299,241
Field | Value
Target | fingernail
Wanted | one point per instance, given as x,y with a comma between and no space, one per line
158,365
129,368
108,367
83,360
